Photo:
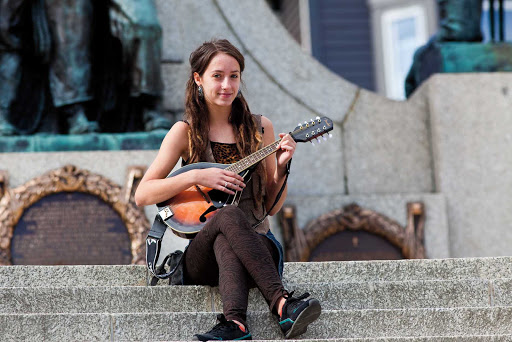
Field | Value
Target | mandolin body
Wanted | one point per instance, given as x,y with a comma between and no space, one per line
188,212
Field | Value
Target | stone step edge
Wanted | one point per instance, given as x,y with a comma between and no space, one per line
122,325
300,264
400,339
483,338
286,283
259,312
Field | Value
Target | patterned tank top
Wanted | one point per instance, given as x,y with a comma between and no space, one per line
225,153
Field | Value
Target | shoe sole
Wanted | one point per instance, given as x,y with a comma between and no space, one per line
305,318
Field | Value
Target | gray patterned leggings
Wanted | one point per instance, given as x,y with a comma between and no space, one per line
227,252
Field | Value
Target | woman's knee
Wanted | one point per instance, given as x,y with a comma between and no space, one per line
232,217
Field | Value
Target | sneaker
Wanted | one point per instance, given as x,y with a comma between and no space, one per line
225,330
297,314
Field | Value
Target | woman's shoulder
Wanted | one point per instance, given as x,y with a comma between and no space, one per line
179,127
265,122
177,135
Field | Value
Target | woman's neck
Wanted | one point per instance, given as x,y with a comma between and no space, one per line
218,114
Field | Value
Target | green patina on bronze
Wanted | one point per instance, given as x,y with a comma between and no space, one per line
80,67
83,142
457,47
476,57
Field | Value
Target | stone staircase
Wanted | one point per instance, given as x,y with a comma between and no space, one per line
409,300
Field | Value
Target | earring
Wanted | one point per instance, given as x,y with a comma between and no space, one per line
239,94
200,90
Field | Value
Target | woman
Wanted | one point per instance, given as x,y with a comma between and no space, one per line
235,250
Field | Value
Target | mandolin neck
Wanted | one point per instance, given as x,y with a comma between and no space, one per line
254,158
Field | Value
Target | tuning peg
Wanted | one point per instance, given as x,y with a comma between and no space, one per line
330,135
324,137
312,143
318,140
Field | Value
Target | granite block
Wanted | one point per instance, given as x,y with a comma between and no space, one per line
20,300
399,270
471,139
55,327
387,146
304,272
384,295
338,324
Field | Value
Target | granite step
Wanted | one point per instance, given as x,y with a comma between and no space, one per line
179,326
313,272
333,296
480,338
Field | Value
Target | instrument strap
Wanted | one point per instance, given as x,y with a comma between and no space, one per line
278,195
153,245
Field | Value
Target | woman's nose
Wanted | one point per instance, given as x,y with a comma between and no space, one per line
225,83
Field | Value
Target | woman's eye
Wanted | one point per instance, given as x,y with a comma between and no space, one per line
234,76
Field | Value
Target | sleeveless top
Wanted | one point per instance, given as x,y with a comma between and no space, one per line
254,213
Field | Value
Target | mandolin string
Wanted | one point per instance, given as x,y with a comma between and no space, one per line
254,158
257,156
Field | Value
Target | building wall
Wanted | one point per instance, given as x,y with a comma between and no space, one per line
448,146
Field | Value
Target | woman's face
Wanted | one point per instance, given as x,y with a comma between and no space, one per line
220,81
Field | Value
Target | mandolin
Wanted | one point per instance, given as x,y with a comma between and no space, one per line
187,212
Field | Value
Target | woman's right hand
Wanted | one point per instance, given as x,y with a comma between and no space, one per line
220,179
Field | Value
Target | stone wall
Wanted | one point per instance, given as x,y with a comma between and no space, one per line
447,146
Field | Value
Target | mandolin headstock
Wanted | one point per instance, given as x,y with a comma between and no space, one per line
313,129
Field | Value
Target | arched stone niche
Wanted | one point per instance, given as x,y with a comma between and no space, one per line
106,199
330,232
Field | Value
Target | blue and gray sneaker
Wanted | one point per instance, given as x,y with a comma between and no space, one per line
225,330
297,314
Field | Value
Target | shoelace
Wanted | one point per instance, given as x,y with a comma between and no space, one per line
292,303
224,325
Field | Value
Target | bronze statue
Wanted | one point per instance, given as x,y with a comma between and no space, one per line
25,36
135,24
59,75
459,22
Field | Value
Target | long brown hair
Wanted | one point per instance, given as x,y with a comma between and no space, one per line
248,139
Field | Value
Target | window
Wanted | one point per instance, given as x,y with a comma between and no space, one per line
403,31
486,30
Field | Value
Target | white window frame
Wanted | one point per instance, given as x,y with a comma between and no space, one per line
394,83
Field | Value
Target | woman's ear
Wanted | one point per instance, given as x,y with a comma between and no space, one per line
197,78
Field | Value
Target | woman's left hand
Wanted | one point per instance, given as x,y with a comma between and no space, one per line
285,150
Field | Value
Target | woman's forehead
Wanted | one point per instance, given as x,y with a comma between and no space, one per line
224,62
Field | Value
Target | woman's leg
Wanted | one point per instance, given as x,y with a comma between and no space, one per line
234,281
246,244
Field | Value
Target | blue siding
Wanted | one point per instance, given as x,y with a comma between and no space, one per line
341,39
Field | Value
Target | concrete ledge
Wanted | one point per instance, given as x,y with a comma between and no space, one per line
333,296
420,323
52,327
20,300
481,338
311,272
391,295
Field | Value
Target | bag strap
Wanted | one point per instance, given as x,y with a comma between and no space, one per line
153,245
